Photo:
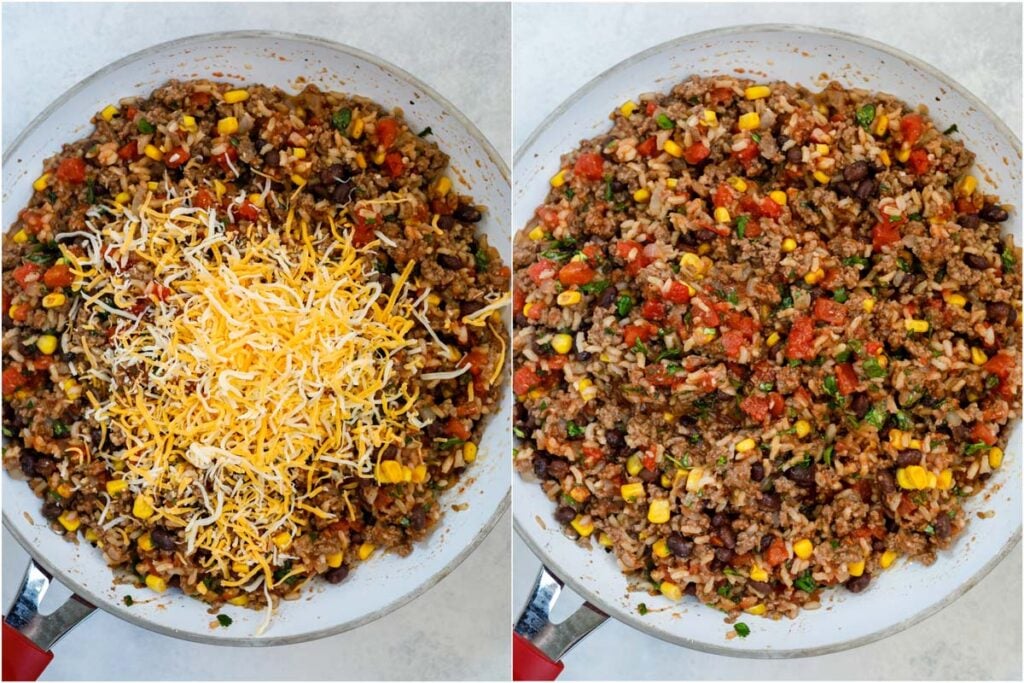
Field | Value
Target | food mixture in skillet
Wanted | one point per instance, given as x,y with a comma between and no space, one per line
766,341
249,337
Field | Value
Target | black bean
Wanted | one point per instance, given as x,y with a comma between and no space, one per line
615,439
771,501
649,476
765,542
759,587
608,297
336,575
943,527
865,189
520,321
540,465
757,471
584,356
843,188
858,583
342,193
856,171
163,539
969,221
322,190
993,213
52,510
975,261
449,261
860,404
446,223
705,235
558,469
728,536
334,173
272,159
723,555
27,462
470,307
436,430
998,311
619,186
679,544
467,214
795,154
565,514
886,482
878,545
908,458
418,518
801,474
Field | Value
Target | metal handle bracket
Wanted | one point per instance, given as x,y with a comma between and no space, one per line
535,624
43,630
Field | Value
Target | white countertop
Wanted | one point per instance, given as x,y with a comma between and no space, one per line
459,628
979,636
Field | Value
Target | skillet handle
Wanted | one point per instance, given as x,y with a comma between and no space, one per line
29,635
538,644
23,660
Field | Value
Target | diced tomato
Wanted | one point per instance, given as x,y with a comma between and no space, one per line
556,362
457,428
590,166
542,270
591,251
744,324
653,310
706,315
536,311
911,126
846,379
524,379
753,229
906,506
247,210
130,151
830,311
873,347
518,299
393,164
633,253
58,276
651,108
647,148
387,131
13,380
226,158
733,342
363,231
696,153
158,290
649,462
723,196
129,113
27,273
800,345
884,233
203,199
678,293
769,208
721,96
575,273
756,406
177,157
746,155
776,404
659,376
981,432
548,216
592,455
918,162
642,331
19,312
1000,365
71,170
199,100
42,362
776,553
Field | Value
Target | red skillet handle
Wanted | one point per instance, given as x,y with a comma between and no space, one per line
530,664
23,660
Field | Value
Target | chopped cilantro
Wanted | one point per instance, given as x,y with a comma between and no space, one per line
858,261
844,356
742,630
827,456
766,386
145,126
642,608
624,305
831,387
873,368
608,194
840,295
448,444
569,193
978,447
340,119
224,620
664,122
876,416
741,226
60,430
129,601
903,420
595,287
756,137
573,430
805,582
483,261
425,132
952,129
865,115
1008,259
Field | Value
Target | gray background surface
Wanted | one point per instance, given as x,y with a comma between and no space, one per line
979,45
459,628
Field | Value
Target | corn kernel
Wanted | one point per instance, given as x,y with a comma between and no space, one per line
627,108
722,215
710,118
957,300
116,486
757,610
419,474
299,152
406,474
995,457
141,508
20,237
389,472
47,344
153,152
888,557
41,182
146,542
365,550
358,125
693,479
738,184
803,549
155,583
881,125
583,529
588,391
298,180
788,245
659,511
378,157
283,539
883,360
632,492
91,536
855,568
913,325
255,198
536,234
233,96
334,560
109,112
750,121
562,343
188,123
772,340
634,465
671,183
671,591
746,445
239,600
821,149
528,307
642,195
868,305
361,161
227,125
569,298
69,520
913,477
54,300
122,198
903,154
821,177
778,196
884,156
660,548
469,452
558,179
219,188
757,92
605,540
673,148
757,573
967,186
814,277
978,357
803,428
945,480
691,263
